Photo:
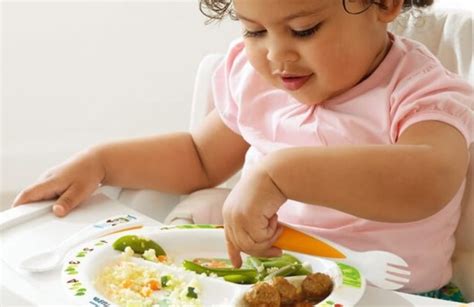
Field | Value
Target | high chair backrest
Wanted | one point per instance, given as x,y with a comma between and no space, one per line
448,34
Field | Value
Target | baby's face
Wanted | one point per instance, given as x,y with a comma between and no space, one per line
313,49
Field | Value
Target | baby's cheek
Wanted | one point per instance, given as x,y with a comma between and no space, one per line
259,61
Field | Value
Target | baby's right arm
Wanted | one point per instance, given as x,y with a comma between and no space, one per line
176,163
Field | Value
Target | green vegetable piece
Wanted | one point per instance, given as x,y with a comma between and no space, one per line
284,271
254,263
191,293
138,244
221,272
207,261
164,280
276,264
289,258
284,257
305,270
240,279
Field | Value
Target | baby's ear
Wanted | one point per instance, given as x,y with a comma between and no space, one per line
391,10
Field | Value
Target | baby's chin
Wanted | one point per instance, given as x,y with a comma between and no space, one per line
310,100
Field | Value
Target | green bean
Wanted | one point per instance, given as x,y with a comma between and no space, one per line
255,263
138,244
276,264
289,258
284,271
304,270
224,262
221,272
284,257
240,279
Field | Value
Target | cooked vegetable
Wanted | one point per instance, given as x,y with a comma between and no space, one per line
253,269
213,262
138,244
229,274
240,279
164,280
191,293
287,270
255,263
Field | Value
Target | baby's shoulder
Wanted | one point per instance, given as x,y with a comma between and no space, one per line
415,68
415,59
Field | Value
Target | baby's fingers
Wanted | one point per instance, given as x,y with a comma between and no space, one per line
70,199
232,250
45,190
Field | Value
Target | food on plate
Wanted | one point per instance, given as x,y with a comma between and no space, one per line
129,284
254,268
282,292
240,276
138,244
263,294
316,287
287,291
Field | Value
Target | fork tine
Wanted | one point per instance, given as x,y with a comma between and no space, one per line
396,260
391,269
398,279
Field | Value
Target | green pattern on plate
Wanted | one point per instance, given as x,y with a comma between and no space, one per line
193,226
350,275
74,284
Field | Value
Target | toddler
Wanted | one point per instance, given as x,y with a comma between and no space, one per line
342,129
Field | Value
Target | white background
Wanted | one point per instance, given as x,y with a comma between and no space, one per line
75,73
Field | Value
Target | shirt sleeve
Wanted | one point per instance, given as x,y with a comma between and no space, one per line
222,94
433,94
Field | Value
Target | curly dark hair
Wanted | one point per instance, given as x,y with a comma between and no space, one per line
219,9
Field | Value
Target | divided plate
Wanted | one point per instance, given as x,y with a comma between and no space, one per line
83,264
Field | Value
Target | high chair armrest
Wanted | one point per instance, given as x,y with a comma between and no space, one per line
157,205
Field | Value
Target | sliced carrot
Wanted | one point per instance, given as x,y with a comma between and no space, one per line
162,258
153,284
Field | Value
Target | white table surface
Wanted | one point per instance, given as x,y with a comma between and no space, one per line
20,288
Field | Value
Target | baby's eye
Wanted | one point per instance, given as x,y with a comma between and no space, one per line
248,33
307,32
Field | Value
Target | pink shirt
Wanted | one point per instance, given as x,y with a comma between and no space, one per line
409,86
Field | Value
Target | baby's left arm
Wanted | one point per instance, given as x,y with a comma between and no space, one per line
407,181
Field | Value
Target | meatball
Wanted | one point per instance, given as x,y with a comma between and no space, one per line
288,292
303,304
262,294
316,287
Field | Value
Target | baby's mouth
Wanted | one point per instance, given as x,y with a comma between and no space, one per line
294,82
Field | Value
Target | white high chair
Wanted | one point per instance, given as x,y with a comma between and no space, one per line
448,34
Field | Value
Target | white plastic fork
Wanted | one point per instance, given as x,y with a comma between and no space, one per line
382,269
379,268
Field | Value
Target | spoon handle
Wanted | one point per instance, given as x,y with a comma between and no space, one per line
101,228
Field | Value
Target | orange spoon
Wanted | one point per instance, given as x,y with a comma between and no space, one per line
297,241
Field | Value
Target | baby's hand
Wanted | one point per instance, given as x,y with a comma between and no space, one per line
250,219
72,181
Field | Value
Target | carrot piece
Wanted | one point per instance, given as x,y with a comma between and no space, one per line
162,258
153,284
